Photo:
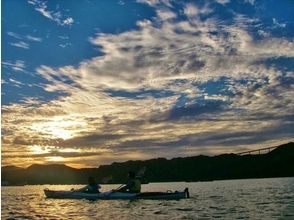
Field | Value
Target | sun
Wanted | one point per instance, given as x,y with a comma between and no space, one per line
54,159
61,133
36,149
58,127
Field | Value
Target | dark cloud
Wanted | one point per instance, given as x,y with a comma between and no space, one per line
250,138
212,139
140,94
95,140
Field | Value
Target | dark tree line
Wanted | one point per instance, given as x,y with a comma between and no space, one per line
277,163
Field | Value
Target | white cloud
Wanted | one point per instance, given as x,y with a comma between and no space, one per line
154,3
23,38
149,2
263,33
223,2
191,10
250,1
68,21
18,65
278,24
65,45
33,2
32,38
53,15
45,13
15,83
165,14
63,37
14,35
120,2
21,44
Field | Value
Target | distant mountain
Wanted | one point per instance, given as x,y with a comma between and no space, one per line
277,163
11,168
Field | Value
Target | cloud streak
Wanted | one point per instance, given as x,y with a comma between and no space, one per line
21,44
18,65
53,15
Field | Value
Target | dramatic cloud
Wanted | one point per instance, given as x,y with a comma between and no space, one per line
184,82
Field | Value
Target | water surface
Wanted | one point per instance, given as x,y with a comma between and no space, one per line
229,199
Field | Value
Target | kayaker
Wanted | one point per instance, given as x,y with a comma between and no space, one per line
92,187
133,184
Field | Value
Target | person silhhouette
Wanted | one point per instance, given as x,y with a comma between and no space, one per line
133,184
92,186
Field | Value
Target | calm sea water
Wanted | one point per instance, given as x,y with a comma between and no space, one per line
230,199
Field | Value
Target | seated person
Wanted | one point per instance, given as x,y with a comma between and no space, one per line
133,184
92,186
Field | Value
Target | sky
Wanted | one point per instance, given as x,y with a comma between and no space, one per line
86,83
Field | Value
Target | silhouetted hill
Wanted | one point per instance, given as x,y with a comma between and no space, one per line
277,163
13,175
11,168
51,174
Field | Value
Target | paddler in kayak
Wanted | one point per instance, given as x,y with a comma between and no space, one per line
133,184
92,187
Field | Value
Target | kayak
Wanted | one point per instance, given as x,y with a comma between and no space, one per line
63,194
169,195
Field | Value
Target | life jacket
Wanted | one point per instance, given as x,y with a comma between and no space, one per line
136,186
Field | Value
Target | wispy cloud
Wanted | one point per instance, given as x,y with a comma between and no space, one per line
65,45
14,35
32,38
18,65
53,15
277,24
68,21
15,83
250,1
21,44
223,2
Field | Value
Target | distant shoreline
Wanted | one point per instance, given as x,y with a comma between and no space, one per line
274,164
285,177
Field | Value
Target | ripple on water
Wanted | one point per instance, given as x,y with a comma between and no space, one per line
185,209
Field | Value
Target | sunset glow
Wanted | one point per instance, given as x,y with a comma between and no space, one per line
58,127
39,149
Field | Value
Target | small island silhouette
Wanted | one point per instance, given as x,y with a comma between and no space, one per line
276,163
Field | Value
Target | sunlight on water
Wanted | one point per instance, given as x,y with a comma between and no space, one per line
230,199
